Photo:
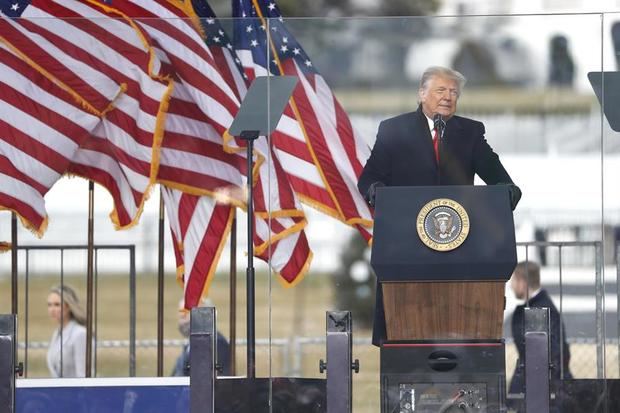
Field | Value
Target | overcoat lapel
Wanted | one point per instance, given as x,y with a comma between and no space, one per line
424,145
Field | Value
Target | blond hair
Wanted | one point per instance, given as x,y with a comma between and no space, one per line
70,297
445,72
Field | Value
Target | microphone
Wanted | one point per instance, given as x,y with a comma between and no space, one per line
440,124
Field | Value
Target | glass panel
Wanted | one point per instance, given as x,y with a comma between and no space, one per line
610,202
192,158
527,82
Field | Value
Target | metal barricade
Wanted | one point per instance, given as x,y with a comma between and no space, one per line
599,289
339,362
62,250
8,325
537,330
202,358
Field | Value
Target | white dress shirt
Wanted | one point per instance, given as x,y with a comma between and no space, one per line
73,351
431,124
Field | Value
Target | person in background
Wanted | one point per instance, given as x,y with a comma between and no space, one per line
181,367
66,354
525,283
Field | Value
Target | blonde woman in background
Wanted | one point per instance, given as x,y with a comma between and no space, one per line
66,354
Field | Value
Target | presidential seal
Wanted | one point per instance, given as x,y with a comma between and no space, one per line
443,224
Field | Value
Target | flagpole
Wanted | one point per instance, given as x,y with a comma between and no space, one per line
89,278
160,288
249,137
14,291
233,294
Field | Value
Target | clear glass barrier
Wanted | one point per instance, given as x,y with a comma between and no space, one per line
527,82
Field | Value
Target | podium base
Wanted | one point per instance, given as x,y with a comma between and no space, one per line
426,376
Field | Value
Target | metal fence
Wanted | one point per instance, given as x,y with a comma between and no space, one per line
62,250
597,349
599,289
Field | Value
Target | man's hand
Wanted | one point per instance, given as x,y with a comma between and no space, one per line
372,193
515,195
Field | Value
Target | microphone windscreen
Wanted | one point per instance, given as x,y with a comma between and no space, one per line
440,124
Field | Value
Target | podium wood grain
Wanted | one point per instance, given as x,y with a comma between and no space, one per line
443,310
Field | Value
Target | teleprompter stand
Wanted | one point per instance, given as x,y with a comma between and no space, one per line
443,309
258,115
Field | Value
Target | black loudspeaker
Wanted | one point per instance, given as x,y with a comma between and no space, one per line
443,377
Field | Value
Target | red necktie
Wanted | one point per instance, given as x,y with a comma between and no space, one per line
436,145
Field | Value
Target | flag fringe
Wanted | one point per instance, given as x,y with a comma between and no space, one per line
5,246
38,232
180,275
139,32
188,9
300,275
259,249
218,253
221,197
282,213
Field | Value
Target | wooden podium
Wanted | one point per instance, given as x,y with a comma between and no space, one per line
440,297
443,295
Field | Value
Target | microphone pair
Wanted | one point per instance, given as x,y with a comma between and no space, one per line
440,124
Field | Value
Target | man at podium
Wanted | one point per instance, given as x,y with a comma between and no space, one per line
429,147
433,146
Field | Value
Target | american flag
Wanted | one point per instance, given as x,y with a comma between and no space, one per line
221,47
107,65
41,127
199,226
193,166
202,104
319,149
279,219
201,89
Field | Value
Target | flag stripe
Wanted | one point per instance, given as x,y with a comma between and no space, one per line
174,34
41,176
90,86
318,126
108,174
202,269
25,206
41,127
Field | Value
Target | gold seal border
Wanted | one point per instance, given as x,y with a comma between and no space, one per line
442,202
